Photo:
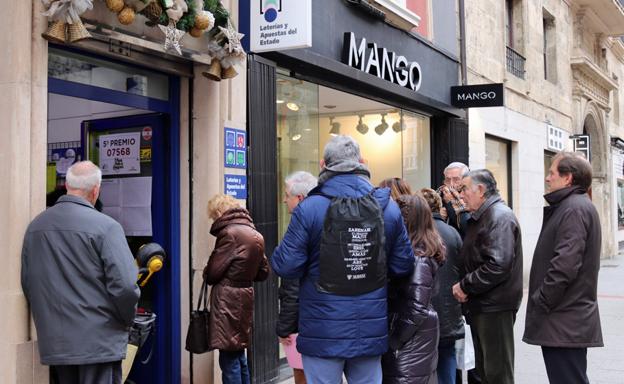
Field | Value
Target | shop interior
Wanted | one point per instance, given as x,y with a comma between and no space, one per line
394,142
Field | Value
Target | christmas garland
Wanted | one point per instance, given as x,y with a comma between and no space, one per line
175,18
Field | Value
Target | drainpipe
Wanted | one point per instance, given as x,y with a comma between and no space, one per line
462,39
190,236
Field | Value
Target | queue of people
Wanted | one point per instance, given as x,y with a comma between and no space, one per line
375,281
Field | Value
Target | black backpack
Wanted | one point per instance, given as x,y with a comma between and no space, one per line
353,257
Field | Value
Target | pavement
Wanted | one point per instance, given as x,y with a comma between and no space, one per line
604,365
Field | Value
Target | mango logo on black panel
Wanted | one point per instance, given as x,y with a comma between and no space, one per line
270,9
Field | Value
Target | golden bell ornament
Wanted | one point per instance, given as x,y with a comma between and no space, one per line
196,32
214,72
55,32
228,73
202,21
115,5
77,32
126,16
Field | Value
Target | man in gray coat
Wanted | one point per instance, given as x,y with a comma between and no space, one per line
562,308
79,278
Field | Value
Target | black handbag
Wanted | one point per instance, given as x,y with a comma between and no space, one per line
198,334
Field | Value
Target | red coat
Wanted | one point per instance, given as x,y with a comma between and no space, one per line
237,261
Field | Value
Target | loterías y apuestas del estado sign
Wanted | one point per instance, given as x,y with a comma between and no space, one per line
378,61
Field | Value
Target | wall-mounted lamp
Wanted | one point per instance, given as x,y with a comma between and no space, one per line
383,126
398,126
335,127
361,127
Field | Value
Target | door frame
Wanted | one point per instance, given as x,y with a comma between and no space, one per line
171,166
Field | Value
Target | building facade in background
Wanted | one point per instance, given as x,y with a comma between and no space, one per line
559,83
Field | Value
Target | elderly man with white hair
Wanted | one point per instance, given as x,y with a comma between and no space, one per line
457,214
79,278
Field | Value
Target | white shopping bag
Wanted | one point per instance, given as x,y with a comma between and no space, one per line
464,350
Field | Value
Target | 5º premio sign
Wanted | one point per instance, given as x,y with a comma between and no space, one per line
280,24
120,153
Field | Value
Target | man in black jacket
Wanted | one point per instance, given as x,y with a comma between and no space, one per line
491,288
562,308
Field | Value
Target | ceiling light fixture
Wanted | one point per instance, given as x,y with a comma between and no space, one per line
335,127
292,106
361,127
278,101
399,126
383,126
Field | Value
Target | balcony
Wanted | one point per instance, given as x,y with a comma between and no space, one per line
606,16
515,63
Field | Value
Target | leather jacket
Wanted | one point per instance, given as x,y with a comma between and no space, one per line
492,256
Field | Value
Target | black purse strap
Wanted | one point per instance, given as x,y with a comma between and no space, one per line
203,296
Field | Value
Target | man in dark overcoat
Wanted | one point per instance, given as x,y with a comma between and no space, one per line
562,309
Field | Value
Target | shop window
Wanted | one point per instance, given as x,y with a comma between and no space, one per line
393,142
498,161
87,70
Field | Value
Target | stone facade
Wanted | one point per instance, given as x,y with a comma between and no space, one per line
577,90
532,102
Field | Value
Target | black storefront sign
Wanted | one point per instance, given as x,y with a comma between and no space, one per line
477,96
380,62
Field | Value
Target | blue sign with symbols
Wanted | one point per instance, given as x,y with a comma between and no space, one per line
236,186
235,152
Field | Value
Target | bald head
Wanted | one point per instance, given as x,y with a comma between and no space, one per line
83,179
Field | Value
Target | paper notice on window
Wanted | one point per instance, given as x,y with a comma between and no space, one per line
120,153
129,201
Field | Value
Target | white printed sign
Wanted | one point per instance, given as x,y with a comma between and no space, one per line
120,154
280,24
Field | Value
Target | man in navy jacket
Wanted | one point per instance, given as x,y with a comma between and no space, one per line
338,333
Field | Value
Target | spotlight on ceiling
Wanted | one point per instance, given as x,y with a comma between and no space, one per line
399,125
279,101
296,136
292,106
335,127
383,126
361,127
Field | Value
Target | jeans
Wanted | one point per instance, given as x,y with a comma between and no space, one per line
447,363
234,368
358,370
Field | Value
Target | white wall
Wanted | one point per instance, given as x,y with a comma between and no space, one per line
528,137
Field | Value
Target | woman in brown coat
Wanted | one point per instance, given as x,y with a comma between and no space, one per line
236,262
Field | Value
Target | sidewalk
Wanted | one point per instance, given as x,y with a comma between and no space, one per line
604,365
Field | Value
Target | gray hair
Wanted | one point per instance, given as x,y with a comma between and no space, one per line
83,176
457,165
341,148
483,177
300,183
